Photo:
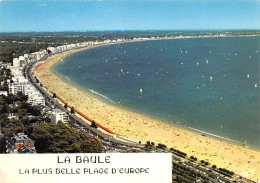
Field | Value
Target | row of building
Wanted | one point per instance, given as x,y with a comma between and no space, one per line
21,84
20,143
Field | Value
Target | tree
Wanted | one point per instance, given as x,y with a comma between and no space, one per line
35,110
2,145
51,138
4,109
66,106
54,95
21,97
202,161
96,145
72,110
214,166
93,124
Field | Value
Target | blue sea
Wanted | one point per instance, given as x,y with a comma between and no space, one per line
209,84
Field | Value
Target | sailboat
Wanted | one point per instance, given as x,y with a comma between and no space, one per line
141,90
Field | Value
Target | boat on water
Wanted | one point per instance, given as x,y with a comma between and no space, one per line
141,90
256,85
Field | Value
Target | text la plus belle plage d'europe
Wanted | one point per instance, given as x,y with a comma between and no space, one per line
67,160
85,160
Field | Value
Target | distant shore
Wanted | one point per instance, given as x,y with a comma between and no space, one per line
139,127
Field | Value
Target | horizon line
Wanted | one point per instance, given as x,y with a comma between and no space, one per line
116,30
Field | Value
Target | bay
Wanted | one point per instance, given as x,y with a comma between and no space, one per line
209,84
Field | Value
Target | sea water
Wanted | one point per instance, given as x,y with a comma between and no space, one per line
208,84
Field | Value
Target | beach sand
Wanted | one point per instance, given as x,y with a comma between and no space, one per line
138,127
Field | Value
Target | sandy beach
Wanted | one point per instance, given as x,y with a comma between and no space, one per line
137,127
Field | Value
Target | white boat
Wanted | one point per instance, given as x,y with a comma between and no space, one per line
256,85
141,90
247,75
210,78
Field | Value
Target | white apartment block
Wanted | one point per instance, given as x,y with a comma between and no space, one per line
36,99
21,58
16,62
52,49
26,56
58,115
34,96
16,87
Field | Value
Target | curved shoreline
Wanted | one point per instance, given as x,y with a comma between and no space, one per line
155,118
139,127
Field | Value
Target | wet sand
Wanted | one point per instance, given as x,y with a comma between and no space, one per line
138,127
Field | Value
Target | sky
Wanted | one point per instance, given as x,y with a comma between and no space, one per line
89,15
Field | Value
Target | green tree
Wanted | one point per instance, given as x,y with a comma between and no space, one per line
72,110
93,124
51,138
2,145
96,145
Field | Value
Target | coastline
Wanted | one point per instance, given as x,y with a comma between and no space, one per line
139,127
